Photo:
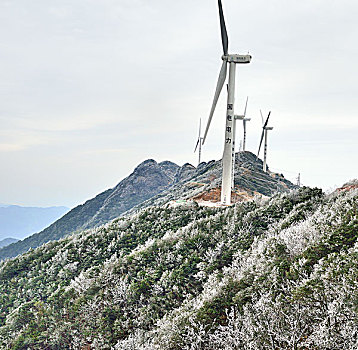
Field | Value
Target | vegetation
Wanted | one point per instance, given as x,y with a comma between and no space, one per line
268,274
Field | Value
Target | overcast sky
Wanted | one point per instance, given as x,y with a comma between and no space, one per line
89,89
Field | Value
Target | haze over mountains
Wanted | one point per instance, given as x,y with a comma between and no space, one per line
6,241
19,222
153,183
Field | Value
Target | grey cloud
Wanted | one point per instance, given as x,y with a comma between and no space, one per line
90,88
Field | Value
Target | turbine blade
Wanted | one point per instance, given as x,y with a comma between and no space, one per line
262,118
199,128
247,99
267,119
197,144
219,86
262,137
224,37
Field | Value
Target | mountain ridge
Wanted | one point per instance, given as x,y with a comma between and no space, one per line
153,183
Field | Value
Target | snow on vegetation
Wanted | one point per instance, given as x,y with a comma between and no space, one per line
276,273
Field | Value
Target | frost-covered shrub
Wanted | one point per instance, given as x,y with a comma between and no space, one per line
273,273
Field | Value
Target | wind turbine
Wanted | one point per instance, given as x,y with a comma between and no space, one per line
199,143
244,120
265,128
237,117
229,145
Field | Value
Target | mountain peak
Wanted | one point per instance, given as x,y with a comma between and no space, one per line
168,163
145,164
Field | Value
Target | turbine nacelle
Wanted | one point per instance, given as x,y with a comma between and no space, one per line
236,58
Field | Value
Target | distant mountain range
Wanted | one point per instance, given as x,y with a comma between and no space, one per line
19,222
7,241
153,183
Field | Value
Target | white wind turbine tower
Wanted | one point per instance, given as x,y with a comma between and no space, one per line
265,128
244,120
229,146
199,143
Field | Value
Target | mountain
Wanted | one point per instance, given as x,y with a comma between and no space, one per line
19,222
6,241
203,183
270,273
147,179
153,183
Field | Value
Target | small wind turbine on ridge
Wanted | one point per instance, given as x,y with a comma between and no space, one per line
244,120
265,128
237,117
229,145
199,143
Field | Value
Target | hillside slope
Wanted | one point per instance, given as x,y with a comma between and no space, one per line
148,179
267,274
153,183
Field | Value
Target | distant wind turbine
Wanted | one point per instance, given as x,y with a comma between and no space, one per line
244,120
229,146
265,128
199,143
237,117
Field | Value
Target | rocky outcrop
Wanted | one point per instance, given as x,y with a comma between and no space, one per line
349,186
